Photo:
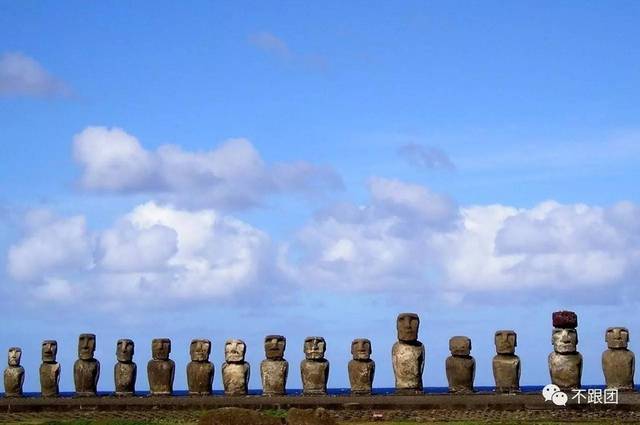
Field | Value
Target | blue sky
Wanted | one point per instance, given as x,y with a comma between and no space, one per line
240,169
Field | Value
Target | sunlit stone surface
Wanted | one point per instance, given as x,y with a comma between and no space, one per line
161,369
86,370
125,370
274,369
460,366
200,370
314,368
235,371
565,363
618,362
13,374
506,365
361,368
49,370
408,355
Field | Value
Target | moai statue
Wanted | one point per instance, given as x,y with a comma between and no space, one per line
618,363
200,370
274,369
314,368
361,367
86,370
49,370
407,355
506,365
565,363
161,369
125,370
14,374
235,371
461,367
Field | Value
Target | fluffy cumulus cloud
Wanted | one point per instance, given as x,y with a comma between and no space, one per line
153,254
233,175
21,75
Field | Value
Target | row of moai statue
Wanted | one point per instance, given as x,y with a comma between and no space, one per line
408,357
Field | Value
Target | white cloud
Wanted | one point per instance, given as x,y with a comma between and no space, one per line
21,75
231,176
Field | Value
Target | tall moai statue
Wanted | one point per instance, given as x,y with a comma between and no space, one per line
200,370
506,365
49,370
274,369
361,368
13,374
235,371
565,363
86,370
161,369
618,362
314,369
125,370
460,366
408,355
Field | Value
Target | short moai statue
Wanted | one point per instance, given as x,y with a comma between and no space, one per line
200,370
13,374
506,364
49,370
361,368
125,370
565,362
460,366
235,371
161,369
86,370
407,355
314,369
274,369
618,362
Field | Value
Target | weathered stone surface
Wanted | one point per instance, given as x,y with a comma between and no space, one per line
565,363
86,370
49,370
274,370
618,363
565,320
200,370
160,369
506,365
361,368
125,370
408,355
237,416
314,369
235,371
460,366
14,373
309,417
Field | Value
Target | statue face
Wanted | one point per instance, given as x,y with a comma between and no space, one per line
160,348
200,349
564,340
124,350
234,350
506,342
274,346
617,337
407,325
15,354
86,346
460,346
49,351
361,349
314,348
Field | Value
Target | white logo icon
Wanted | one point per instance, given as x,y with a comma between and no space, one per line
552,392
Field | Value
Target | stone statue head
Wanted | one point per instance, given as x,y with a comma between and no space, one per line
617,337
160,348
314,347
49,351
361,349
15,354
460,345
407,325
565,341
200,349
234,350
86,346
124,350
506,342
274,346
